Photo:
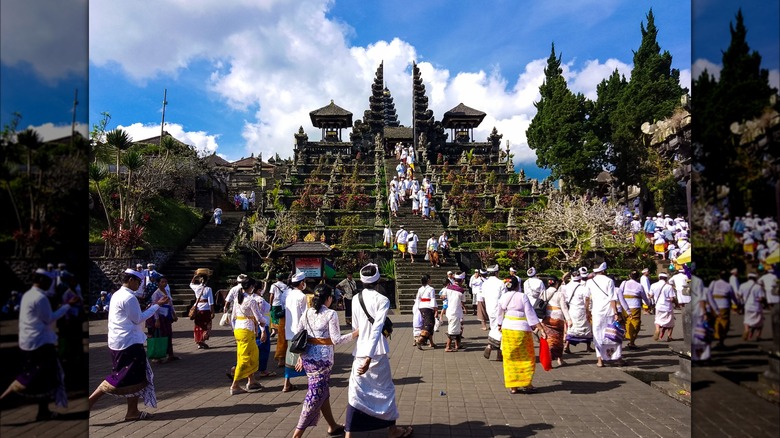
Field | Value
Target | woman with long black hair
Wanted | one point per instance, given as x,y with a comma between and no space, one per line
322,328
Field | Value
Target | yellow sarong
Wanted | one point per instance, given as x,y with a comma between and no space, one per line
722,323
402,247
517,347
633,323
247,354
281,341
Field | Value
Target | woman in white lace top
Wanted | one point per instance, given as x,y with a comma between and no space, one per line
322,327
248,321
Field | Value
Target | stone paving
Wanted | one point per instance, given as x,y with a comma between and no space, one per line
441,394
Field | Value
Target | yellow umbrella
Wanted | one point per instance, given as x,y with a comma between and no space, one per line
774,257
685,257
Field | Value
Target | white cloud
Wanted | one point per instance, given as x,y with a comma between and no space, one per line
42,34
281,60
586,80
774,78
50,131
702,64
203,142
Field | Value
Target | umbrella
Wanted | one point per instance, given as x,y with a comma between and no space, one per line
685,257
774,257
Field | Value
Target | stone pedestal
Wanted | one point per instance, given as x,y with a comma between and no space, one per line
771,376
682,377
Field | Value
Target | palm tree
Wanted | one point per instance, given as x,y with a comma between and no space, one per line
7,171
30,140
121,141
97,173
132,161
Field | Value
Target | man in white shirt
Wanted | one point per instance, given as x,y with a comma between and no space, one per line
533,287
665,297
444,247
513,273
769,282
277,317
131,374
475,284
294,304
401,240
680,283
411,242
387,237
603,299
371,396
41,374
492,290
644,280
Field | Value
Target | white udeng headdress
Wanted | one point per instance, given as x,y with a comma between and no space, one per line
372,279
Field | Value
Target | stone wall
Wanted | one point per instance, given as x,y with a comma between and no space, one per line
104,272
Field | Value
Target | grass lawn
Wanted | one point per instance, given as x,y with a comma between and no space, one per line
171,223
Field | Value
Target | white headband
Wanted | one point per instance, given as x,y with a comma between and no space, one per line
372,279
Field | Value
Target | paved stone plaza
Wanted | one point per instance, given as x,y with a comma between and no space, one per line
578,399
441,394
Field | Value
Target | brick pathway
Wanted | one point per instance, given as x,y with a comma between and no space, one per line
441,394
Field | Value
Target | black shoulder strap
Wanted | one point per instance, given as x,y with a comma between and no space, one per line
363,305
572,294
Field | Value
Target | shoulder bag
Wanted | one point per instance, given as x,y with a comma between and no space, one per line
540,306
387,327
300,341
194,308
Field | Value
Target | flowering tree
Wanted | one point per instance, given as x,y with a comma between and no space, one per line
572,225
257,234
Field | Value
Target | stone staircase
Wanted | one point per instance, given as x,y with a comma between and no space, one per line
203,251
408,274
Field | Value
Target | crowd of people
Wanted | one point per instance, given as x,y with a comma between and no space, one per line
254,321
244,202
406,189
757,236
715,303
437,248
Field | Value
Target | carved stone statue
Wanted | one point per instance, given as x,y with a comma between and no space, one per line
453,222
534,186
326,202
476,175
522,175
287,179
318,219
445,203
463,159
510,220
498,200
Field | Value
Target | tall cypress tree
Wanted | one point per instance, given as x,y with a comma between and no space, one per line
651,95
741,93
558,130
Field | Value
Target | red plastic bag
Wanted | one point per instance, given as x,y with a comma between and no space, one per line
544,354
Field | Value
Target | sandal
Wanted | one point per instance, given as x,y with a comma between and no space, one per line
407,431
338,431
289,388
513,391
240,390
449,350
254,387
267,374
143,415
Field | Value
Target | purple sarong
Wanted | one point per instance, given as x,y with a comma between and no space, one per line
42,375
131,375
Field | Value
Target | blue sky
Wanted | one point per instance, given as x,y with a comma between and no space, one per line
242,76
